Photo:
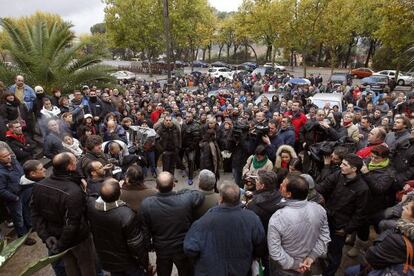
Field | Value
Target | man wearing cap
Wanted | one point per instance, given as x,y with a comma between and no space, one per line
23,92
38,102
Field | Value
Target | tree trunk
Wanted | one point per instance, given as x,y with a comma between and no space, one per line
246,52
370,51
228,53
291,58
204,54
269,52
304,63
254,52
348,54
220,48
320,54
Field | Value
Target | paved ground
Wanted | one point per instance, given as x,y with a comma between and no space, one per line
28,254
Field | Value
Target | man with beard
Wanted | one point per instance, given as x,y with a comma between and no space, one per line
190,138
96,176
93,152
107,105
401,132
169,143
95,106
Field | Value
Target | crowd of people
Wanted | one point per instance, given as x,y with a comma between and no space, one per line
306,180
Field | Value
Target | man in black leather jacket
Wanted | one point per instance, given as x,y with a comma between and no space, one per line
117,232
191,132
167,217
59,216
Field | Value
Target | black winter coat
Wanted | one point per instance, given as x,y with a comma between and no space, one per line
380,183
167,218
346,200
59,209
169,138
191,135
22,151
52,145
403,162
118,236
388,249
265,203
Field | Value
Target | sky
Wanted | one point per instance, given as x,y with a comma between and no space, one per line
82,13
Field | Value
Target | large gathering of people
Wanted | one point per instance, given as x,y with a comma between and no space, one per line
305,179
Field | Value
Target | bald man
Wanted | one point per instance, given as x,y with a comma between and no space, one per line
59,216
116,230
167,216
227,238
23,92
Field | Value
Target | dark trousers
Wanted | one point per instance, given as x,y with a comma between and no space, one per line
190,156
168,161
80,261
237,174
25,197
132,272
165,264
334,252
373,219
16,212
150,157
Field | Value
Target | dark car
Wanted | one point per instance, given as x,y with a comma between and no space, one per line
196,74
251,65
243,67
199,63
220,64
377,83
340,78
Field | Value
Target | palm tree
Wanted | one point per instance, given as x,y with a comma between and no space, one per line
45,53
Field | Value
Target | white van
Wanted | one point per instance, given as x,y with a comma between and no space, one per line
320,99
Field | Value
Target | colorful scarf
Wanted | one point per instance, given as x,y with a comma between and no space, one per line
380,165
258,164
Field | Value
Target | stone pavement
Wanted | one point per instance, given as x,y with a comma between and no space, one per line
27,254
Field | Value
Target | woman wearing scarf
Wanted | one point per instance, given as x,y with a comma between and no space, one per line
380,177
256,162
389,254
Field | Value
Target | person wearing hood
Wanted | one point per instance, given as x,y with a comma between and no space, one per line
298,233
33,173
389,250
284,155
47,113
72,145
39,101
117,232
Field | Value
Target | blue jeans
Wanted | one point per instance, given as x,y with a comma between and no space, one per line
334,253
16,213
132,272
150,157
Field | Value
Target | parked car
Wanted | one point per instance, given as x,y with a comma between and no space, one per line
242,67
220,64
361,72
402,78
377,83
251,65
124,75
263,71
196,74
199,63
276,66
221,73
320,99
340,78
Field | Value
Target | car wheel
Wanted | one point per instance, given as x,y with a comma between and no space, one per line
355,76
278,70
401,82
221,78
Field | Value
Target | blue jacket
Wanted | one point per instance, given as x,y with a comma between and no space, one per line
283,137
29,95
10,181
225,241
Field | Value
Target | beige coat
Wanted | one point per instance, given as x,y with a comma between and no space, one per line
249,168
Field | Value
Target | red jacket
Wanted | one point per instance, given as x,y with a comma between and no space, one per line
298,122
155,115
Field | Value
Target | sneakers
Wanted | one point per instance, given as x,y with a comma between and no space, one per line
190,181
29,241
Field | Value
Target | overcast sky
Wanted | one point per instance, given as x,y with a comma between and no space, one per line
82,13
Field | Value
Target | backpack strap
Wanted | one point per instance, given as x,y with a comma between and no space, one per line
409,249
